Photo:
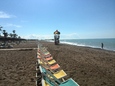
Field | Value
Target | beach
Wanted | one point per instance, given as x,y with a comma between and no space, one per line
17,67
87,66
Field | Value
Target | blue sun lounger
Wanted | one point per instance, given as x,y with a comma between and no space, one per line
51,80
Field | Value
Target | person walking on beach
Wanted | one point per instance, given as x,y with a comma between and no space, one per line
56,37
102,45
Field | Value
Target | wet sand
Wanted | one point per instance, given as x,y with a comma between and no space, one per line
87,66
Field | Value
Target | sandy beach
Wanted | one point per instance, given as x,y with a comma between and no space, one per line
87,66
17,67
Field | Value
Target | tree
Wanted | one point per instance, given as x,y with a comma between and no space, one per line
0,29
5,33
14,34
13,31
11,35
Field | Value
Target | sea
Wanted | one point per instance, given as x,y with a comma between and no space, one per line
109,43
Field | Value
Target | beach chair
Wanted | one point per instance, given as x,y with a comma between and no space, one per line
49,58
55,67
47,79
38,53
48,66
53,78
53,81
46,58
44,50
45,53
60,74
69,82
51,62
44,83
38,56
48,63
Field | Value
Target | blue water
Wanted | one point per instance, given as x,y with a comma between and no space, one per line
109,44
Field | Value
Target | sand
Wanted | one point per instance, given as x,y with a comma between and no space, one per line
17,68
87,66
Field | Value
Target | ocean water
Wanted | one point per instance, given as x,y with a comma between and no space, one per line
109,43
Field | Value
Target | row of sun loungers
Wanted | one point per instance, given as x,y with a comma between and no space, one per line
52,73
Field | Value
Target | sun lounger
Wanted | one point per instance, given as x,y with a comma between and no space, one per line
51,80
50,58
54,67
49,77
51,62
39,57
44,83
48,66
52,74
69,82
60,74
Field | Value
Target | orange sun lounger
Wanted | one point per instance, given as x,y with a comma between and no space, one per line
54,67
49,58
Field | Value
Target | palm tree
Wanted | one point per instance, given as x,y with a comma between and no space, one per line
5,33
0,29
5,36
13,31
14,35
11,35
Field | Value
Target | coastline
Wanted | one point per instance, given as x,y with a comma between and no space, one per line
85,46
99,48
87,66
108,43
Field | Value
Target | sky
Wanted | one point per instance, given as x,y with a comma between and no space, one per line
75,19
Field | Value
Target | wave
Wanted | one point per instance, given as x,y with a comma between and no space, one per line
93,43
70,43
84,45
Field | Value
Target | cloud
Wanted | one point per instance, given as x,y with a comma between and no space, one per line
5,15
13,25
62,36
34,36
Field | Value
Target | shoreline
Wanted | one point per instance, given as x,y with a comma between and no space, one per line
94,43
90,47
82,46
87,66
